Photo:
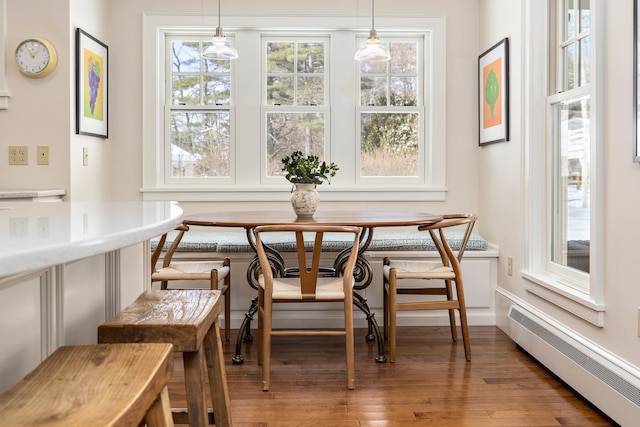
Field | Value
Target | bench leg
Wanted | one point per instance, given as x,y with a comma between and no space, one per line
195,387
159,414
217,376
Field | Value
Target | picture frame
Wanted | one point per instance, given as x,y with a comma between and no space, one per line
493,94
636,87
92,86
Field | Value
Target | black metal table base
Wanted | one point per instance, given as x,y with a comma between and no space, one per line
373,332
362,275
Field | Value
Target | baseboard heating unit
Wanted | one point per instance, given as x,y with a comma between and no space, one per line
608,382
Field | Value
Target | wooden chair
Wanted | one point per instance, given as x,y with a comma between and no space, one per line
188,319
94,385
308,286
422,273
218,273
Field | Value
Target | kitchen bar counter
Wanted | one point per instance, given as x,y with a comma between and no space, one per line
65,268
38,235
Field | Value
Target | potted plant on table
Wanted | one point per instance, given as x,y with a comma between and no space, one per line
305,173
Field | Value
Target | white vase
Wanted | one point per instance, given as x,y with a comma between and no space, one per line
305,200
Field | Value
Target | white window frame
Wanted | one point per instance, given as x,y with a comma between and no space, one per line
247,183
577,293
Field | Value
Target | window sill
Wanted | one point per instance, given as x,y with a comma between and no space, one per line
271,194
551,289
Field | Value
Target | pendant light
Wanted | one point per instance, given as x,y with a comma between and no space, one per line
220,47
372,51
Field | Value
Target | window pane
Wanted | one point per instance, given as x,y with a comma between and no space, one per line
389,144
571,220
289,132
185,57
404,57
200,144
217,90
568,55
310,90
373,91
185,90
280,90
403,91
569,22
310,57
585,66
280,57
585,15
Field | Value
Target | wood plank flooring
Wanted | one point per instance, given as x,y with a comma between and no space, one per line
430,384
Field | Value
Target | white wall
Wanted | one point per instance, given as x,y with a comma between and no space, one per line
38,112
502,176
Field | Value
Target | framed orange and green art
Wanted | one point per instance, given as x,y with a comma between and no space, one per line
92,86
493,94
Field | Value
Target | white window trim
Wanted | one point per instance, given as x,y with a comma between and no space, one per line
551,286
4,88
245,187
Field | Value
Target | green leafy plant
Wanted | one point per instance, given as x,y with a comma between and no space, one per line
302,169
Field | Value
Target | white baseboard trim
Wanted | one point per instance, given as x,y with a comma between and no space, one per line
610,383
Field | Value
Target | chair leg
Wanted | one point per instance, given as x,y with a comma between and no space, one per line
227,301
267,308
349,337
217,376
195,387
452,312
463,320
393,300
159,414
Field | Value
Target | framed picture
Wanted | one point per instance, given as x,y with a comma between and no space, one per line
493,93
636,87
92,85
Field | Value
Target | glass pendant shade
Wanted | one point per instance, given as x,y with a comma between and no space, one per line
220,47
373,50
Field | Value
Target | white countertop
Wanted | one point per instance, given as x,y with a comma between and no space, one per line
9,193
39,235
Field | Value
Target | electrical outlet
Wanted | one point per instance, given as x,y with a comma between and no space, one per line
510,266
43,154
18,155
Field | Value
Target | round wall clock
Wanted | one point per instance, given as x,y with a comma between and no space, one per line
36,57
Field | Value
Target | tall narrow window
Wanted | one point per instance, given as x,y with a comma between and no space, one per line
199,113
391,114
295,99
571,136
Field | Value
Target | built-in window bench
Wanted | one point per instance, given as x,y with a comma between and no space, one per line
480,265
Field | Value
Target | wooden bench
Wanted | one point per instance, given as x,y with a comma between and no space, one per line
94,385
188,319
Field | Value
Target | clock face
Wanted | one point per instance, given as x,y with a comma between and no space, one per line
35,57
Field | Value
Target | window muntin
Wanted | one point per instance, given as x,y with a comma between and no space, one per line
199,118
391,125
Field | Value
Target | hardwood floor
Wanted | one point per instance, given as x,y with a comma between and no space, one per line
430,384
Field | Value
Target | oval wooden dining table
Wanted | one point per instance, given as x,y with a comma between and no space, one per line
368,220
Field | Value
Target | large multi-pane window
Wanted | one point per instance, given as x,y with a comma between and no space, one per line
220,128
565,180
